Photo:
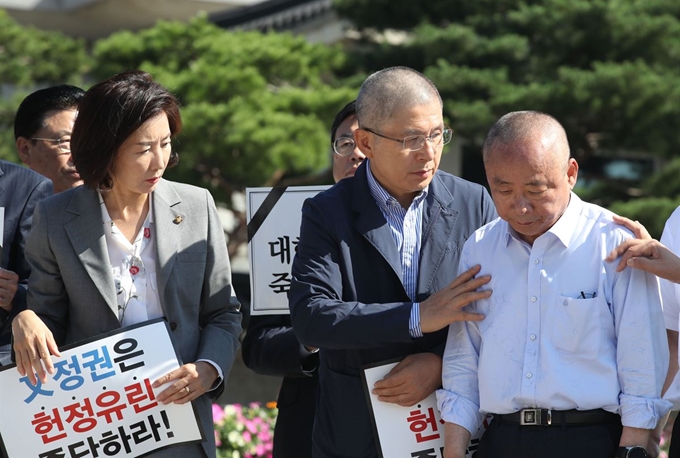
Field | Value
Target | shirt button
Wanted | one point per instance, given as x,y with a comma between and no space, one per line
533,298
529,375
535,261
566,302
532,336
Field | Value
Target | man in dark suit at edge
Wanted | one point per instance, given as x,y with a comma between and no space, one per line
20,190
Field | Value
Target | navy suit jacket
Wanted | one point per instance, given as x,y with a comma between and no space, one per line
347,296
20,191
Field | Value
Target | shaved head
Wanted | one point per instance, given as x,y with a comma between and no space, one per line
388,91
519,127
530,173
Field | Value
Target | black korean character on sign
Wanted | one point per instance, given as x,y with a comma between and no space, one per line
281,248
113,443
473,446
139,430
125,347
281,284
89,450
429,453
56,453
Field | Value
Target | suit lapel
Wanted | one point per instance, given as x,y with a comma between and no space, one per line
86,233
439,220
371,223
168,222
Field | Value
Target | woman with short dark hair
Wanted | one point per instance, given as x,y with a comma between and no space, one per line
129,246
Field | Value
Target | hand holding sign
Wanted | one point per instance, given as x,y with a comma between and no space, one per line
33,345
412,380
190,381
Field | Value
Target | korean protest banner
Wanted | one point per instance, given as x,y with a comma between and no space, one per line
409,432
274,216
99,402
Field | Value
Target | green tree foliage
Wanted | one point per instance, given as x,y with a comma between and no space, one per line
606,69
256,107
31,58
650,211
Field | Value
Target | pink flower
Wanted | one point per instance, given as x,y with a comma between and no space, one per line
250,426
147,233
246,436
218,442
218,413
134,270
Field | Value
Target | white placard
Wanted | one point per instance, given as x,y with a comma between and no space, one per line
99,402
416,431
272,247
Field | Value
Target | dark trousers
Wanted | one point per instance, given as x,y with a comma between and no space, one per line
674,451
293,430
512,440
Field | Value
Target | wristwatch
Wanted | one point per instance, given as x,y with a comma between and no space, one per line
631,452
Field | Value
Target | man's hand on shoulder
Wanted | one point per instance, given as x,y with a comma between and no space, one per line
9,282
411,381
446,306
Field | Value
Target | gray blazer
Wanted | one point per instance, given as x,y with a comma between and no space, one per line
71,285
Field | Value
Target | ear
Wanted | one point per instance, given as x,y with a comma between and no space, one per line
24,150
364,141
572,172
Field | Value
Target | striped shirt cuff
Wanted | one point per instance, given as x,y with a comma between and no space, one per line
414,322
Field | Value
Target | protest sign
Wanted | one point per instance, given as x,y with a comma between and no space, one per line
99,402
274,216
409,432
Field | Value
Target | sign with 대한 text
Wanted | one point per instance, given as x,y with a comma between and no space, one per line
272,243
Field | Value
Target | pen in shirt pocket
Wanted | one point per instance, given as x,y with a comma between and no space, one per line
588,295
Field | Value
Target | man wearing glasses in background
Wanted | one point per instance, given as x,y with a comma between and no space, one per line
374,277
42,130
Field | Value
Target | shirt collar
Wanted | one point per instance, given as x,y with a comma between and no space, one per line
382,197
106,218
563,229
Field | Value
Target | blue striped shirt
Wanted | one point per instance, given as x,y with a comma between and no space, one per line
406,227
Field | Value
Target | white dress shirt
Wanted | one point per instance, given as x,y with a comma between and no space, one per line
670,295
134,270
134,273
563,330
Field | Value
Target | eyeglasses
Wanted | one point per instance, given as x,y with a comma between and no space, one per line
344,146
63,142
415,142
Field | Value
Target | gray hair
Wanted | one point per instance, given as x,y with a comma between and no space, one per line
386,91
524,125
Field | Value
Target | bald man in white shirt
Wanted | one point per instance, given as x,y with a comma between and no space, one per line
571,356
